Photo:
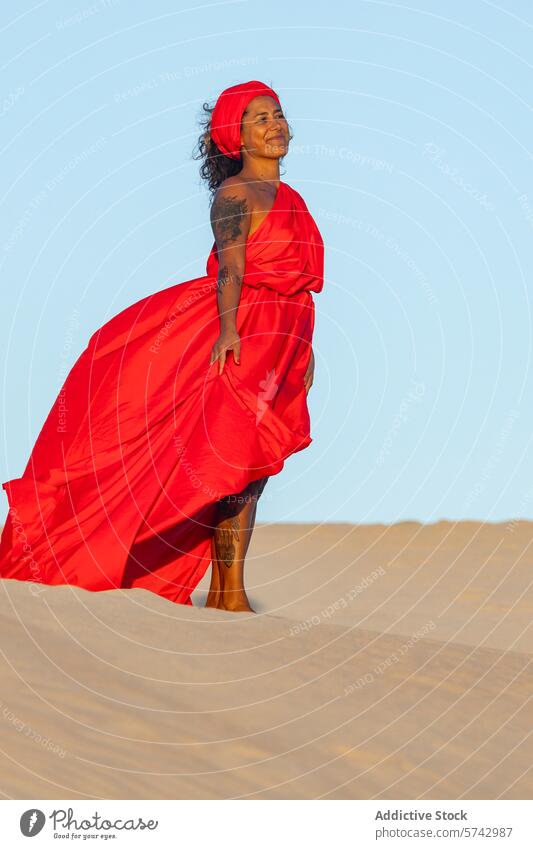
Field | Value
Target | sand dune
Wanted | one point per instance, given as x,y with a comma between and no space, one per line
385,662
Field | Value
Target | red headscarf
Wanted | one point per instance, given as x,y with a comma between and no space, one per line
227,115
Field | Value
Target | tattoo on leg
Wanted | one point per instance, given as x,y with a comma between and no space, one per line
226,537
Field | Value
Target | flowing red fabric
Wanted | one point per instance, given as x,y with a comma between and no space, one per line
227,114
145,436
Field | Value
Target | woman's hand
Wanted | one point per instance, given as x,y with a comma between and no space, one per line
309,374
229,340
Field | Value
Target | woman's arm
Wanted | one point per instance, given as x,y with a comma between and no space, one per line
230,220
310,373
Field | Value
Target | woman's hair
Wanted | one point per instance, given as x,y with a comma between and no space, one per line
215,167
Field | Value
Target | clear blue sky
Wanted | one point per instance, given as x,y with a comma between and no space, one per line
412,148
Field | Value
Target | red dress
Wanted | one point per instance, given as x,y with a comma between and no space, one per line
145,436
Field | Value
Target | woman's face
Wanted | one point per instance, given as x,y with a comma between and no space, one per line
264,130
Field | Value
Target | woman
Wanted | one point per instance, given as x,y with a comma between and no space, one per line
151,461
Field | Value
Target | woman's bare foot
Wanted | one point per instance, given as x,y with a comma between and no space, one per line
213,596
235,520
212,599
220,598
235,601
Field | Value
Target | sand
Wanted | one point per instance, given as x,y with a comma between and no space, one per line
390,662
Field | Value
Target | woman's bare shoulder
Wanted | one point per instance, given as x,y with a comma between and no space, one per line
234,187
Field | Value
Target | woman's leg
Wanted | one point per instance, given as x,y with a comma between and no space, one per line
231,538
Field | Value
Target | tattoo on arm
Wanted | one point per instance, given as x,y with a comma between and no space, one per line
230,223
226,275
227,215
